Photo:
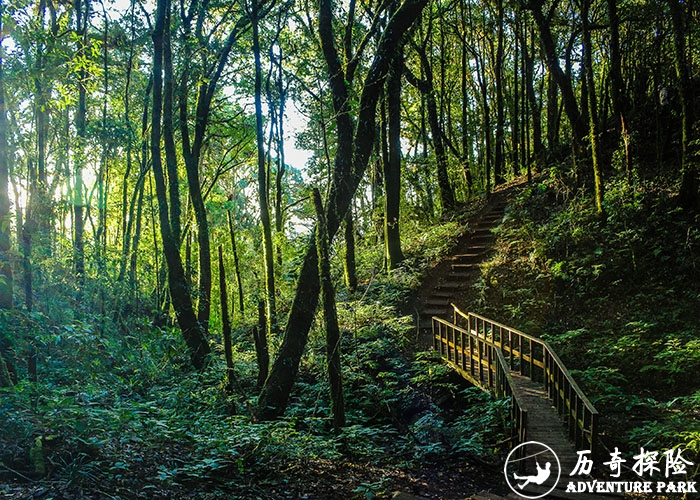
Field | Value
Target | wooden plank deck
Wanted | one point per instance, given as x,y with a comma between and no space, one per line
547,427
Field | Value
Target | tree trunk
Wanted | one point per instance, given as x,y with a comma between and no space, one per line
80,159
192,146
226,324
330,315
236,265
281,166
592,108
563,81
534,105
352,157
688,194
517,118
392,167
179,291
6,276
263,189
464,79
169,133
483,85
499,157
261,350
349,266
619,101
426,87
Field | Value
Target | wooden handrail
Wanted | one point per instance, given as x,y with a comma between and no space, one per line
487,345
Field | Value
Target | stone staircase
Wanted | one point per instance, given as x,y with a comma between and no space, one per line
462,268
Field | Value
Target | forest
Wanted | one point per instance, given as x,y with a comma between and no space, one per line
217,219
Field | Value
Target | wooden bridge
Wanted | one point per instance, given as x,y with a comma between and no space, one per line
547,405
510,363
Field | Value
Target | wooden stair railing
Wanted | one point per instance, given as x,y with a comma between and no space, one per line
485,352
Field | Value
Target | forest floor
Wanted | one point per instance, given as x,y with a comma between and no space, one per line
313,480
134,423
141,469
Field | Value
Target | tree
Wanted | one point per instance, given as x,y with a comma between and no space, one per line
82,18
192,330
6,275
330,316
562,80
392,165
426,86
354,146
689,194
592,107
263,189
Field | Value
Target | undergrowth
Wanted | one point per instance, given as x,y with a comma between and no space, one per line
123,415
619,298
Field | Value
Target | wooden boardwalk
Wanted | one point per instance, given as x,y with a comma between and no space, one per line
547,406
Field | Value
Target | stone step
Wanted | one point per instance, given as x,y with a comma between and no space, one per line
452,285
438,301
491,218
468,257
482,233
465,277
436,311
463,268
472,249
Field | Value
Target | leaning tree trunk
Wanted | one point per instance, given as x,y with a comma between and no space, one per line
578,126
352,156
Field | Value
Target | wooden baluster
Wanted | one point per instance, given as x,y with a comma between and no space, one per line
520,351
443,338
510,349
435,343
471,355
481,367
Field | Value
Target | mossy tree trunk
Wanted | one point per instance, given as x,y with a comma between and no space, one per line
330,315
592,109
263,184
392,167
6,276
177,281
354,147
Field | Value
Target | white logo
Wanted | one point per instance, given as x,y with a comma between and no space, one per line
531,468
